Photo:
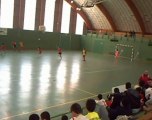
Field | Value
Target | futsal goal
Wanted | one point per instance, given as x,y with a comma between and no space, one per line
125,51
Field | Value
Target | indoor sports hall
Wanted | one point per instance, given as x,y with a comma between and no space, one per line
42,63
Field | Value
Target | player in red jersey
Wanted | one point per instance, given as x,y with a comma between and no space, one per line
60,52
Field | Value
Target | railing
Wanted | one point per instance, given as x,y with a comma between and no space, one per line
119,35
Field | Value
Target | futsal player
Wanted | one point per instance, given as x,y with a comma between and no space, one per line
60,52
39,49
84,54
117,53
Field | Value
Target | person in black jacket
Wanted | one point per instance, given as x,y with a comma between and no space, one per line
134,98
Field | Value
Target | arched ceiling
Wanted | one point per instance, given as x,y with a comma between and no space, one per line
118,15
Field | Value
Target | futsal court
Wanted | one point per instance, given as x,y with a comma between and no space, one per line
33,83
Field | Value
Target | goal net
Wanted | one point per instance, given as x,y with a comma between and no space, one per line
125,51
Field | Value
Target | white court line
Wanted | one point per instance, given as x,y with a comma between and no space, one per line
53,106
84,91
101,71
97,71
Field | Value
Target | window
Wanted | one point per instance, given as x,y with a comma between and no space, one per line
29,17
65,17
49,15
79,25
6,15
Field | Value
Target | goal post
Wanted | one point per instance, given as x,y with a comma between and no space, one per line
125,51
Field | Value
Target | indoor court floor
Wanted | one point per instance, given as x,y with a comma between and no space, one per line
33,83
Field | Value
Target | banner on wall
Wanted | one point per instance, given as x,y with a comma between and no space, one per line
3,31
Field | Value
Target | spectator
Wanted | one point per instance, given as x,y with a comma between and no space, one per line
34,117
64,117
101,101
91,105
109,100
76,111
148,99
102,111
148,96
134,98
144,79
117,96
142,95
123,109
45,116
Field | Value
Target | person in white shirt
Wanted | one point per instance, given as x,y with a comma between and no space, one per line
148,96
102,107
76,111
101,101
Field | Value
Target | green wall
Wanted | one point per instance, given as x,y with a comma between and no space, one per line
47,40
103,44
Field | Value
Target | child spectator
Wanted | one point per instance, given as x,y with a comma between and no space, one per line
34,117
101,101
148,96
45,116
102,108
76,111
64,117
91,105
109,100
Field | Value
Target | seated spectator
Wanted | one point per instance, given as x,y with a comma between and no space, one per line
148,96
91,105
134,98
144,79
109,100
45,116
102,112
117,96
101,101
101,108
34,117
141,93
123,109
64,117
76,111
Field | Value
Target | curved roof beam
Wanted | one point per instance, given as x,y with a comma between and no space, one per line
137,15
83,15
108,16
